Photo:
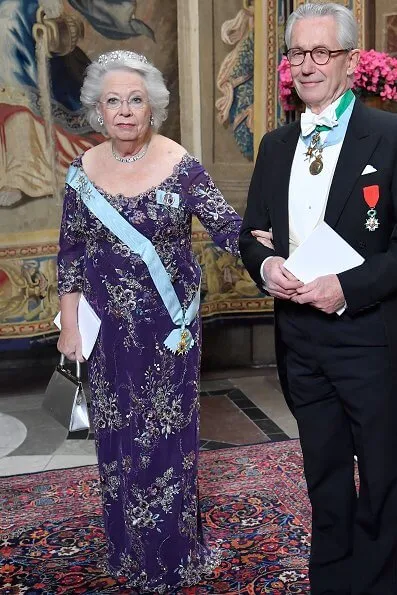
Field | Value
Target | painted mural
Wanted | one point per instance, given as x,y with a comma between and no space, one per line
45,47
235,79
247,79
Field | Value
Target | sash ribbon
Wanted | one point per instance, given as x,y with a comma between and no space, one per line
180,339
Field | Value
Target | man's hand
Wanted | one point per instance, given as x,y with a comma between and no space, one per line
264,237
279,282
324,293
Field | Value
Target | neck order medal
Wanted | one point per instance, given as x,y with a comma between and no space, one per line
314,151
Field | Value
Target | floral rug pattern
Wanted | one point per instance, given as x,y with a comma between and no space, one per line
254,507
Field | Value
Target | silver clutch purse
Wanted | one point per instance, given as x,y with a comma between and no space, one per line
65,400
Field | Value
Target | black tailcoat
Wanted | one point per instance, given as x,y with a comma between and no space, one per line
371,138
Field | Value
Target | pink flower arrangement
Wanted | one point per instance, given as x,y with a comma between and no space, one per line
286,91
376,74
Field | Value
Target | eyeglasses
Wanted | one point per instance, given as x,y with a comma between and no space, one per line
134,102
320,55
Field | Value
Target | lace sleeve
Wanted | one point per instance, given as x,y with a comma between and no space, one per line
71,244
219,219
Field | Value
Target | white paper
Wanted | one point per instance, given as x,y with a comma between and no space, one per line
88,323
324,252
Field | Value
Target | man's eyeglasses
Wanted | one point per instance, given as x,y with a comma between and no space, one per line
134,102
320,55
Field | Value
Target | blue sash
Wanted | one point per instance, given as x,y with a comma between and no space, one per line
179,340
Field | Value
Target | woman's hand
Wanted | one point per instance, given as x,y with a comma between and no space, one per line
69,343
264,237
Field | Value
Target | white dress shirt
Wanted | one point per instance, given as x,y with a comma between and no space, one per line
308,194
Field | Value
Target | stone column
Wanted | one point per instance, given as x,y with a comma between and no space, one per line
189,76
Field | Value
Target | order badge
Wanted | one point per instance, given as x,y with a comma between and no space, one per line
168,199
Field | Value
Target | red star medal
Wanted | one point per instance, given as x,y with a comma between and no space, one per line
371,197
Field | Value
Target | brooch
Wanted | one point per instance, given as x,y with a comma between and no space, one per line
168,199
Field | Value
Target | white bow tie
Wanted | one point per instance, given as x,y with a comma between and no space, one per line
309,121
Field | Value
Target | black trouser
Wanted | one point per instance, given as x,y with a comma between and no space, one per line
339,376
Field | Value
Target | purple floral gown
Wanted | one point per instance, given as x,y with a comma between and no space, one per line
145,399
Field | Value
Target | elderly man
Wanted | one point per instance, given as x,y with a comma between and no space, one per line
336,337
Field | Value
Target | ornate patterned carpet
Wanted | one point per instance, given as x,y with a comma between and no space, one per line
254,506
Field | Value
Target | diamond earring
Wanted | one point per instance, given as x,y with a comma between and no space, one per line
100,120
151,121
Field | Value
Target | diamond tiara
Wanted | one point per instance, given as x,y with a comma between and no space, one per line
120,56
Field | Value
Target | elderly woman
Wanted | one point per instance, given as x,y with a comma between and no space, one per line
126,244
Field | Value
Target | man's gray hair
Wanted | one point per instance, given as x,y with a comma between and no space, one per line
91,90
347,30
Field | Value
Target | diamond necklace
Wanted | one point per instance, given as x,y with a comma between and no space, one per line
133,158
